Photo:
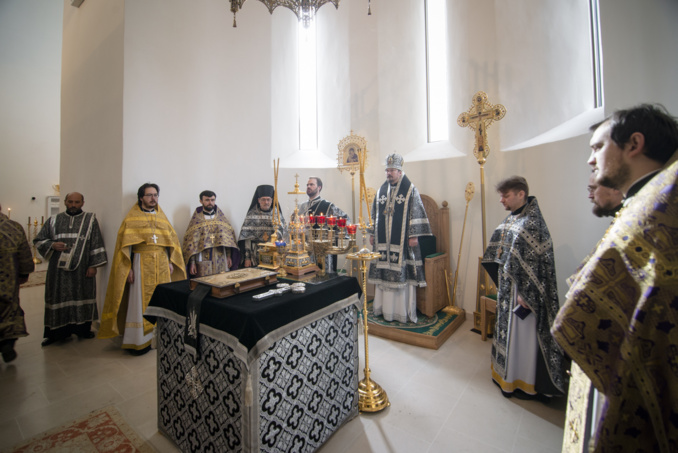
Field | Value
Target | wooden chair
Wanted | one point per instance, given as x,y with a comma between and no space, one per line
486,302
487,305
433,297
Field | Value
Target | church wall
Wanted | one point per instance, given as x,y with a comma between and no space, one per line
30,85
198,110
92,114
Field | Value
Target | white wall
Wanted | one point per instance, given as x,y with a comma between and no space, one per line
171,93
92,114
30,81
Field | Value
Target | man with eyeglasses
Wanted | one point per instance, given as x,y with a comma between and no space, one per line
258,225
147,253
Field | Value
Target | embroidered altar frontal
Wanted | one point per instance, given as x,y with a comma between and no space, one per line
289,392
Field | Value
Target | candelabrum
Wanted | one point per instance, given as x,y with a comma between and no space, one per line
324,236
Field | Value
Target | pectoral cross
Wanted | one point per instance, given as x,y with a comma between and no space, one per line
154,238
479,117
212,236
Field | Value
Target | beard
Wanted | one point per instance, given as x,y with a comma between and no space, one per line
74,211
600,211
615,177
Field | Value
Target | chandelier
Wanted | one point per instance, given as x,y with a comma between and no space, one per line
305,10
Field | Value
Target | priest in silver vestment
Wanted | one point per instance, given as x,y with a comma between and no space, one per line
399,219
209,245
526,361
258,225
74,246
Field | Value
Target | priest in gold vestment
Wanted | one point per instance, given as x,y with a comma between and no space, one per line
620,319
147,253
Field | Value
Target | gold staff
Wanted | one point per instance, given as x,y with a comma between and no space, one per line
468,194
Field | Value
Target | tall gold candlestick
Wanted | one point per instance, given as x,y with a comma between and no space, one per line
371,396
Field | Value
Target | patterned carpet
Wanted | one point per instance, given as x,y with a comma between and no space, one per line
102,431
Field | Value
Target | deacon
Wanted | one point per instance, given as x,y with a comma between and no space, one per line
209,243
318,205
618,322
147,253
73,244
526,361
258,225
399,219
16,262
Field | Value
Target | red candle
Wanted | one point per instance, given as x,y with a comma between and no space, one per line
320,219
310,219
341,222
351,229
331,220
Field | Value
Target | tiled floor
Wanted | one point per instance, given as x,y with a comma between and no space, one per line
441,401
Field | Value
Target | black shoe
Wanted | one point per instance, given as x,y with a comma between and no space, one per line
8,353
87,335
138,352
48,341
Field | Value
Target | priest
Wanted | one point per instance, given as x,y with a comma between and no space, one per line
526,361
16,262
259,225
209,243
147,253
399,219
618,322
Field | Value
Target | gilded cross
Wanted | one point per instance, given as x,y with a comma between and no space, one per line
479,117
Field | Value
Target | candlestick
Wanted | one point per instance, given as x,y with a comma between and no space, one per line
331,220
9,213
320,219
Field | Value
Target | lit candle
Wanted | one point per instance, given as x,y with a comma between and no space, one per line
9,213
320,219
351,228
311,219
341,222
331,220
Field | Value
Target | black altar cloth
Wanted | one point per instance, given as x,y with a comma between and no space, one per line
289,389
247,320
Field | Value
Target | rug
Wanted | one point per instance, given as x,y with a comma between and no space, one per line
104,430
428,332
36,278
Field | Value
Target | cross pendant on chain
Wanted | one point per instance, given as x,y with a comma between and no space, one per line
154,238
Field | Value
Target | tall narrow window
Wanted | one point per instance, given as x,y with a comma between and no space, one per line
597,58
436,70
308,98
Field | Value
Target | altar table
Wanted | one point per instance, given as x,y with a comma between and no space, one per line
275,375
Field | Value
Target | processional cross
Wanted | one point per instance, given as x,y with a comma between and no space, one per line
479,117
